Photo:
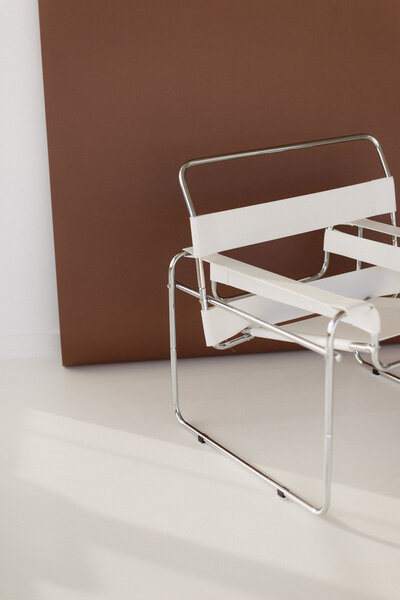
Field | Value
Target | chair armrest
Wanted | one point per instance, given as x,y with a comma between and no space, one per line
377,226
362,249
295,293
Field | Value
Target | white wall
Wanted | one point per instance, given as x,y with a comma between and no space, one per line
28,298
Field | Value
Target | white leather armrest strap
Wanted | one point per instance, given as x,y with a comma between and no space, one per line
288,291
369,251
377,226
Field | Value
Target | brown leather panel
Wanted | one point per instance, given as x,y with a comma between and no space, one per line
135,88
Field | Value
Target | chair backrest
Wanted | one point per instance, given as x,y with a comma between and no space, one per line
225,230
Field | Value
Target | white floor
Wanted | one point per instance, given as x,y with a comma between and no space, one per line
104,496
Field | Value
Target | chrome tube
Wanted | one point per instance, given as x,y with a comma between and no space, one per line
393,222
328,419
382,367
172,329
373,367
320,273
359,234
240,339
214,291
272,150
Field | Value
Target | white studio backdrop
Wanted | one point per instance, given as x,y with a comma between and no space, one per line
28,298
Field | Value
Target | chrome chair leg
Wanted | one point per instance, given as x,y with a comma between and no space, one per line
282,490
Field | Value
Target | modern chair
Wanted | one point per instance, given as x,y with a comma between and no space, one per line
350,312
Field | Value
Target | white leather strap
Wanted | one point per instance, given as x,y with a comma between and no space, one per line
282,289
220,324
377,226
219,231
369,251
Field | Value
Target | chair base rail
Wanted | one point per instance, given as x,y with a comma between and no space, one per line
282,490
375,371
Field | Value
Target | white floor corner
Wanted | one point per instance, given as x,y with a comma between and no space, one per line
105,496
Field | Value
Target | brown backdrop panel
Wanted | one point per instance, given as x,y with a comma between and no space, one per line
134,88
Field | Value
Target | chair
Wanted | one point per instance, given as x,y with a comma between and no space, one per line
350,312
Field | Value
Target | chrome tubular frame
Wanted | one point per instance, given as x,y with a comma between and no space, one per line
327,351
377,366
375,370
330,356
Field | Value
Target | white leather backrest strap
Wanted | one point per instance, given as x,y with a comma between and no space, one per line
219,231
